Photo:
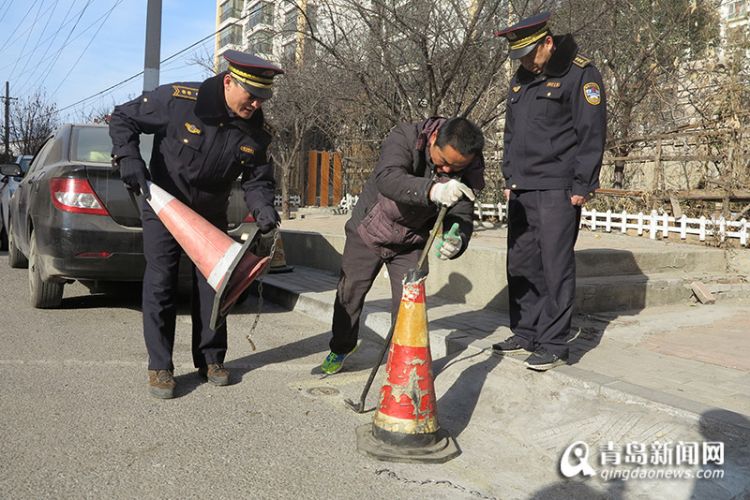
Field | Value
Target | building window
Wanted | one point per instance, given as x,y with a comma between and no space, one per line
261,42
290,21
261,14
736,8
232,34
232,8
289,51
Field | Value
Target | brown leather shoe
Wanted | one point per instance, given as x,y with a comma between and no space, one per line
215,373
161,384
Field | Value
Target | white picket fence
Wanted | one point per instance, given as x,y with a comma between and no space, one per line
655,224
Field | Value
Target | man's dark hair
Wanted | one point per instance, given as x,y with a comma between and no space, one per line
462,134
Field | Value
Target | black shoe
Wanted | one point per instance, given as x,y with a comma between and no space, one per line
542,360
215,373
509,346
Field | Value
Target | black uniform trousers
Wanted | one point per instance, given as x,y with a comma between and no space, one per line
542,232
360,265
159,304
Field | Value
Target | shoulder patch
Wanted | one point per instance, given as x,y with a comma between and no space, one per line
581,61
184,92
592,93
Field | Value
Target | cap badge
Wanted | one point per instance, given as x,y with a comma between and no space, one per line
592,93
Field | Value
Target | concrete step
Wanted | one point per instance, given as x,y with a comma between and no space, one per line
614,272
635,257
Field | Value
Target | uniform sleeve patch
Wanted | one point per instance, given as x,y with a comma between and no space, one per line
247,149
184,92
592,93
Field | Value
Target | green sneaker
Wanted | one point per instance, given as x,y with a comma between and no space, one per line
335,362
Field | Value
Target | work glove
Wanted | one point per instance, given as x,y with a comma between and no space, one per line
448,193
134,174
267,219
449,243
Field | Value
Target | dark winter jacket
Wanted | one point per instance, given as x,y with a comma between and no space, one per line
199,150
394,212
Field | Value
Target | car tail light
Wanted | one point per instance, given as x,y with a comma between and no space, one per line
75,195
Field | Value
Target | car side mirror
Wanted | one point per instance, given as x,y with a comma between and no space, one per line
11,170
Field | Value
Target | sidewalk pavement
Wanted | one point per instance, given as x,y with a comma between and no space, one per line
686,358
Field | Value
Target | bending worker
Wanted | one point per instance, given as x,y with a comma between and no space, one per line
421,167
206,135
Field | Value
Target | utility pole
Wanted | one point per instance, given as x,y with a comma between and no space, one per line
7,100
153,45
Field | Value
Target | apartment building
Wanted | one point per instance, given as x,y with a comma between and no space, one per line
272,29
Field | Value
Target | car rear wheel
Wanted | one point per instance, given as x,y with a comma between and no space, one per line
16,259
44,294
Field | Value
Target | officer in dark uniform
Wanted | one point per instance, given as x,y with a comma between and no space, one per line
206,135
555,131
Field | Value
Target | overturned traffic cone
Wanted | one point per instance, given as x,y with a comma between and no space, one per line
405,427
278,259
228,266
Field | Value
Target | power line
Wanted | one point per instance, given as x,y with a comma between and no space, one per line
116,85
59,52
17,26
36,18
72,67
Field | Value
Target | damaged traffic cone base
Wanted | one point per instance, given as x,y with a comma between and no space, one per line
405,427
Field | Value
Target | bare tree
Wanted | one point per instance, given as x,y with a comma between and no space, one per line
32,120
640,46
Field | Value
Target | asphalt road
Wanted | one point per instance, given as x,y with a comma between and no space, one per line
76,420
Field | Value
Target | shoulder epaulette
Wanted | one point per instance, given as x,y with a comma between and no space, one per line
581,61
184,92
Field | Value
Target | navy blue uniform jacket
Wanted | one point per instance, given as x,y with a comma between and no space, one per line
199,149
556,124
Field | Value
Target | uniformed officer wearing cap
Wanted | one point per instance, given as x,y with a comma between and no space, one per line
555,131
206,135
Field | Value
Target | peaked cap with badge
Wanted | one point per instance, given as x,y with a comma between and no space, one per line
526,34
252,72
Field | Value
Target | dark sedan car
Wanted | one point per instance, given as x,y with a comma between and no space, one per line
72,218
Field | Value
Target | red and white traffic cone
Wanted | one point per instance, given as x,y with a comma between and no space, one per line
405,427
228,266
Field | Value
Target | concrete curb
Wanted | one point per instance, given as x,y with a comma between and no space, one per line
446,342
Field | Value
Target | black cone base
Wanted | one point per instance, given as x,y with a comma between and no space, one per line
246,267
445,448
